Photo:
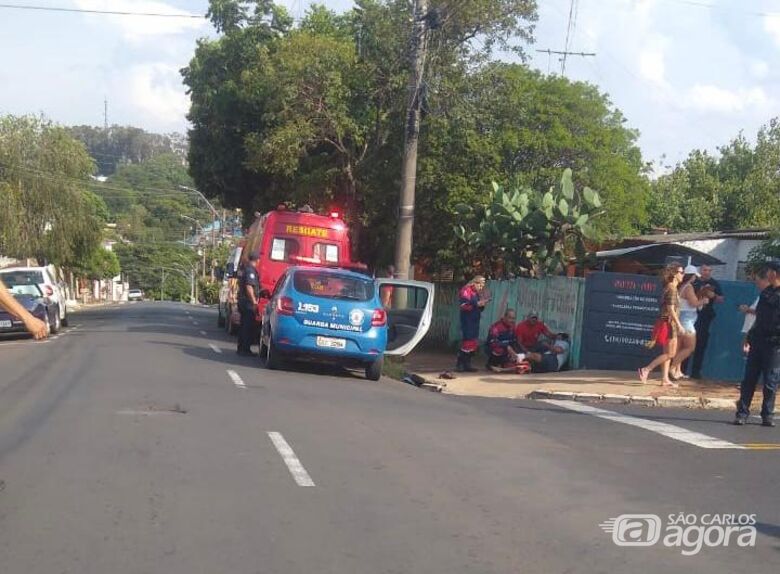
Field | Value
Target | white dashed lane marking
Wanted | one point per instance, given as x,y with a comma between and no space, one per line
664,429
294,465
203,333
236,378
216,349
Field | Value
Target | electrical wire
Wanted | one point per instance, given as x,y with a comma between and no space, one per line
102,12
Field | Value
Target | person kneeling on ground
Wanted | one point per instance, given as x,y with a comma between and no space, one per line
501,343
553,360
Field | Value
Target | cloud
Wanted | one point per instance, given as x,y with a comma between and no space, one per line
759,69
136,28
772,27
154,92
709,98
651,66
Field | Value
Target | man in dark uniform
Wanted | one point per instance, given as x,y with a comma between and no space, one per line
705,318
248,288
763,345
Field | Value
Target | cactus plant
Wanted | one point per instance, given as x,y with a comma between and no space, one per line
528,231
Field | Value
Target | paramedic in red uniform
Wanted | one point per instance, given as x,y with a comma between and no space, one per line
471,305
501,341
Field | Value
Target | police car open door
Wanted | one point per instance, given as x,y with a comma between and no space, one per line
409,308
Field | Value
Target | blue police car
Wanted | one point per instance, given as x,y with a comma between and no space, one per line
338,316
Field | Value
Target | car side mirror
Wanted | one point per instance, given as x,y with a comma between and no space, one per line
265,294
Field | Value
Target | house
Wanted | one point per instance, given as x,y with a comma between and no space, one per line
730,247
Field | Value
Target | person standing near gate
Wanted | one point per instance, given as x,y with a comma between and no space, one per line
471,305
705,318
763,348
248,288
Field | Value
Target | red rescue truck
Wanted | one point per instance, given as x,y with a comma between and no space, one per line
286,237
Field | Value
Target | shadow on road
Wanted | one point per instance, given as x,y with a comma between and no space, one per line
228,357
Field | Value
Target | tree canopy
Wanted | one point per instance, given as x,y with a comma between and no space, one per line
49,212
313,113
735,189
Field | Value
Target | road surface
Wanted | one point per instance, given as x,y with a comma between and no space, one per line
138,442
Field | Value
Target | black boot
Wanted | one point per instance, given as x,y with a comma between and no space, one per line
461,364
467,364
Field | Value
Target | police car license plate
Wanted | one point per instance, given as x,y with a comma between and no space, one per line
331,343
5,324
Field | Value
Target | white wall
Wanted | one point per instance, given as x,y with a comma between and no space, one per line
729,250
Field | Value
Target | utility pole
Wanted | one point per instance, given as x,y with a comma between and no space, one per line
405,229
105,113
564,54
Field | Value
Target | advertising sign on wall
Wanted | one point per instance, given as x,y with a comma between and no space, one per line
620,310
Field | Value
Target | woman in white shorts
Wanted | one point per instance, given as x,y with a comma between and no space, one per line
689,309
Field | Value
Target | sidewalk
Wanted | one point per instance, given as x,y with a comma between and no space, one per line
617,387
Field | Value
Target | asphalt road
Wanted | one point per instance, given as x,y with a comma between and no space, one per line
126,446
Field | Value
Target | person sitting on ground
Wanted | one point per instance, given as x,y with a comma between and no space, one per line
501,343
552,360
529,332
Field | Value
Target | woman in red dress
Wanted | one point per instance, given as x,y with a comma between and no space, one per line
666,327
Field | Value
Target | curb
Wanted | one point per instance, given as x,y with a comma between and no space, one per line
686,402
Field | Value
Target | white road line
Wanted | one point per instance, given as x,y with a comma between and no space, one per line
203,333
234,376
665,429
294,465
195,323
216,349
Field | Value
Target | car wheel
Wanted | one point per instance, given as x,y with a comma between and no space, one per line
55,326
47,324
374,369
220,319
272,359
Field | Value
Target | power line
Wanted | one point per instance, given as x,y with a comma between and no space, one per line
103,12
70,179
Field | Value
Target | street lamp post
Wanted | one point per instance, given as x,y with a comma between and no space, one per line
211,208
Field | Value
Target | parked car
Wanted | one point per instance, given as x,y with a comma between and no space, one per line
337,316
135,295
31,298
44,278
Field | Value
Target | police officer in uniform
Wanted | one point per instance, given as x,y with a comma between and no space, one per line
248,289
763,344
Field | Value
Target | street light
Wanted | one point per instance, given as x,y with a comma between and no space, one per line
211,208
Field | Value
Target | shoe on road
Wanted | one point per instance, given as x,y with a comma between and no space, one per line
767,423
740,421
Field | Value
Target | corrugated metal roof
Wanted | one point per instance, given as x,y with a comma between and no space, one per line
757,234
656,254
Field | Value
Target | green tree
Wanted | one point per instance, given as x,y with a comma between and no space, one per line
145,265
101,264
122,145
47,210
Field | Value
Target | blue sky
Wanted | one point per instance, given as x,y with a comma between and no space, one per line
686,73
